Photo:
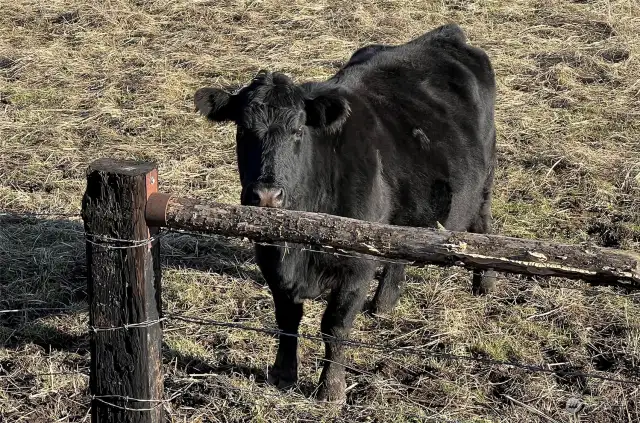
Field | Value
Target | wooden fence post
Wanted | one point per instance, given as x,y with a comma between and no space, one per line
124,273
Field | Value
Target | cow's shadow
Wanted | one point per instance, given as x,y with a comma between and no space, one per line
195,365
209,254
224,367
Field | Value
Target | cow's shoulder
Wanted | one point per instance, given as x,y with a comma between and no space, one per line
446,44
441,54
451,32
365,53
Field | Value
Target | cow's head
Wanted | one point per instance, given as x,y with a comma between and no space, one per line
275,121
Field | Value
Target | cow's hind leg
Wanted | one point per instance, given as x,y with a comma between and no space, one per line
483,282
344,304
284,372
389,288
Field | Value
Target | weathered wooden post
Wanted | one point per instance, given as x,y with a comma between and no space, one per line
124,273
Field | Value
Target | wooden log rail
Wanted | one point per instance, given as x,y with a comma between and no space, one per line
420,246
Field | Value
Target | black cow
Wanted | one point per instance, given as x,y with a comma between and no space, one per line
401,134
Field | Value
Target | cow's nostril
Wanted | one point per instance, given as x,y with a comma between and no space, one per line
254,197
278,194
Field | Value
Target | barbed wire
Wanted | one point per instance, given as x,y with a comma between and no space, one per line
94,239
326,250
25,310
102,241
343,253
158,403
137,243
144,324
37,214
332,251
105,242
215,381
116,243
109,243
113,400
402,350
361,344
73,373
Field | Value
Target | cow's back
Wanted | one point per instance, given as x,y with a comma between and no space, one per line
425,111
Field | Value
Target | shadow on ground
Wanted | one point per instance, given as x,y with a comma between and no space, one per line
192,365
43,282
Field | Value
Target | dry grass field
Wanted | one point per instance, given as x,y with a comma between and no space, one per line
81,79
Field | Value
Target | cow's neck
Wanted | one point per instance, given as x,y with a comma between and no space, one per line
319,188
324,166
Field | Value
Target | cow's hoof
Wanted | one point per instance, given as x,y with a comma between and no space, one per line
280,379
487,283
380,307
334,393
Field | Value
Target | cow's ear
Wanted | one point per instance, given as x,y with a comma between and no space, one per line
328,110
214,103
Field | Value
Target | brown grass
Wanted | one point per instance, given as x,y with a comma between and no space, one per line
81,80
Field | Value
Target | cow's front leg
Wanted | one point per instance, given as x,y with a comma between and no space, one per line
337,321
284,372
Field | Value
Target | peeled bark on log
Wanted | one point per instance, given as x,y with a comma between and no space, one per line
418,246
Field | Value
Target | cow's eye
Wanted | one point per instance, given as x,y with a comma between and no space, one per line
300,130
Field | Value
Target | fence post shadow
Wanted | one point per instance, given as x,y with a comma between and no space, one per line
42,274
192,365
